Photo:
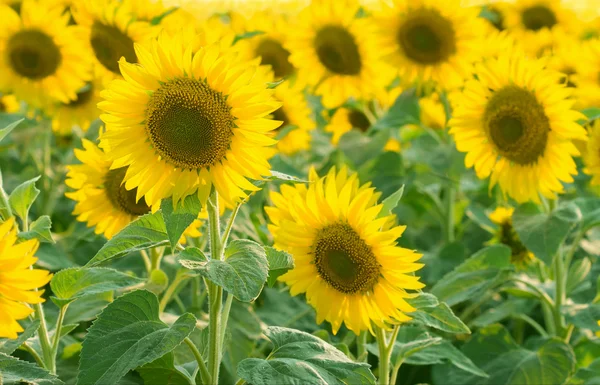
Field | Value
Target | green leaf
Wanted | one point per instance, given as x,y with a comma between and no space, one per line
13,370
585,316
512,307
243,272
40,230
6,130
591,113
271,85
279,176
164,372
143,233
391,202
577,273
369,146
494,351
410,341
405,110
477,214
279,263
178,219
126,335
5,210
436,315
23,197
246,35
8,346
590,212
543,233
589,375
71,284
301,358
474,276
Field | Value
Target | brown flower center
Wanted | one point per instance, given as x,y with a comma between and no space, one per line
110,44
33,54
337,50
121,198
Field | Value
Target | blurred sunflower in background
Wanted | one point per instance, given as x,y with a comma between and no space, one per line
41,62
9,104
18,281
79,112
506,235
517,126
182,123
431,41
345,252
588,90
344,120
337,53
296,118
591,155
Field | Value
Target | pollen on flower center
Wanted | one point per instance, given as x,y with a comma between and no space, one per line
359,120
33,54
189,124
344,260
337,50
121,198
427,37
517,125
110,44
538,17
274,54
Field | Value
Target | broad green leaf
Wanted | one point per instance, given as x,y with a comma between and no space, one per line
591,113
243,273
589,375
6,130
71,284
301,358
504,310
438,315
23,197
585,316
279,308
474,276
143,233
15,371
164,372
369,146
39,229
590,211
494,351
179,218
477,214
8,346
543,233
391,202
279,263
577,273
126,335
405,110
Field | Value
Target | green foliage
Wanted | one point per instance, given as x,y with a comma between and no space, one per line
299,357
430,312
279,263
22,197
128,334
6,130
8,346
179,218
13,370
40,230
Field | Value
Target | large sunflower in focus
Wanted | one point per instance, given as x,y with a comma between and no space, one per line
181,122
432,40
18,282
110,33
345,254
41,61
337,52
79,112
516,124
295,114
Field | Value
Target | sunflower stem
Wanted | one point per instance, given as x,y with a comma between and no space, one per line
59,323
560,280
49,363
450,197
385,353
361,347
204,374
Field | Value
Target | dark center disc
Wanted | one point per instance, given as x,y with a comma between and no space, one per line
279,114
359,120
337,50
33,54
121,198
110,44
538,17
274,54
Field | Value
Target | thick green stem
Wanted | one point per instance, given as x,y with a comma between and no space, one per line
156,255
59,323
204,374
532,323
385,353
560,280
215,293
361,347
395,370
49,363
450,198
225,317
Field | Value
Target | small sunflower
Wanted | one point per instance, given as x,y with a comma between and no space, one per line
79,112
517,126
110,31
41,61
432,112
507,235
566,57
294,112
591,155
337,52
346,257
344,120
9,104
181,123
432,40
588,87
18,282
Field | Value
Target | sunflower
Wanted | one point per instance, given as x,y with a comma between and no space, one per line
9,104
507,235
296,116
41,61
18,282
566,57
79,112
588,87
432,40
181,123
432,112
345,253
591,155
110,31
516,124
337,53
344,120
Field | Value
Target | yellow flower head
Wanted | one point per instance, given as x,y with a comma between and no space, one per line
592,154
432,112
79,112
345,252
507,235
295,112
9,104
18,283
41,61
337,52
345,119
187,119
588,86
517,126
432,40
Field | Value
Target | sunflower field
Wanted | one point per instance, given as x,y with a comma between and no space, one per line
325,192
